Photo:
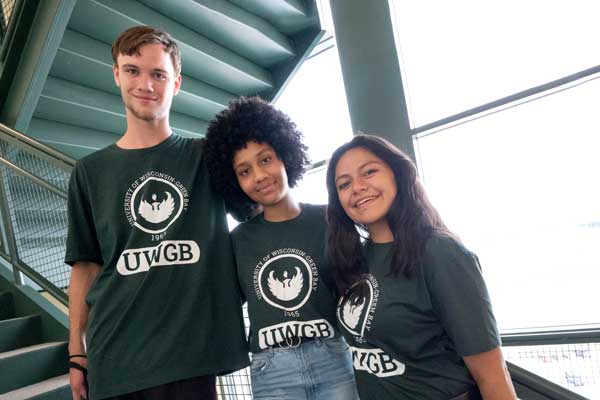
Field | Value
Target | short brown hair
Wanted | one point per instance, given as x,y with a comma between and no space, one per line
130,42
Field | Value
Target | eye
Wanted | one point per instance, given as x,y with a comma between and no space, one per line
131,71
370,171
243,172
160,76
266,159
343,185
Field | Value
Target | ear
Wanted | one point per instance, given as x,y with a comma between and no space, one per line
116,75
177,85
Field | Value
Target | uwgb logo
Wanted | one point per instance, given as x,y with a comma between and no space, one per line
286,281
355,306
168,252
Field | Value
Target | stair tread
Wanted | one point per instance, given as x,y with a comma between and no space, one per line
15,319
37,388
27,349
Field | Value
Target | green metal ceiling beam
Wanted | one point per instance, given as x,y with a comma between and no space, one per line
88,62
49,25
289,16
60,136
371,70
73,104
230,26
202,59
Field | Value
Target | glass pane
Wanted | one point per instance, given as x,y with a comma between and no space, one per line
312,188
573,366
520,187
315,100
460,54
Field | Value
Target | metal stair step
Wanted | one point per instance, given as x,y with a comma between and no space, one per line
28,365
56,388
7,305
20,332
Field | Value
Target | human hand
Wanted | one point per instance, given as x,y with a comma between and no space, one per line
78,380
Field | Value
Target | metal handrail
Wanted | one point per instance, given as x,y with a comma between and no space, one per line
54,159
49,153
531,386
569,335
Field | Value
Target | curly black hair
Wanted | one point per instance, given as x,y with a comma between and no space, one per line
251,119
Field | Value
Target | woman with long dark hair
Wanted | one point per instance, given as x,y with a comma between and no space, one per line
414,307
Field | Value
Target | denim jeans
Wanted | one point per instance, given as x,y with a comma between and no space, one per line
320,369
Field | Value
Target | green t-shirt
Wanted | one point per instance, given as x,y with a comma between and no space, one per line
165,305
283,275
408,336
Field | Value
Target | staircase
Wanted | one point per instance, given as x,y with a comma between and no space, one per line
229,48
33,356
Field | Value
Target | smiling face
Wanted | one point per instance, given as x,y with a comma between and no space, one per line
148,82
261,174
366,188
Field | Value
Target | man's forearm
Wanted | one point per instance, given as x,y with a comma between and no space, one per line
82,277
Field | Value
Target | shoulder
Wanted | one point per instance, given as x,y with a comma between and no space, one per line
444,244
314,211
247,226
100,159
445,254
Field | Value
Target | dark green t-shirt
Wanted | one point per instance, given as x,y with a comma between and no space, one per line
283,275
408,336
165,305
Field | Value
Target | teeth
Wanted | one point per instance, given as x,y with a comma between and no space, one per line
363,201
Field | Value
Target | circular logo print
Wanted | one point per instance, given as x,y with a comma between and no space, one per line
355,306
155,205
285,281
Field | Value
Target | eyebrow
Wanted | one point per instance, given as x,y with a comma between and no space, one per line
360,167
260,153
136,67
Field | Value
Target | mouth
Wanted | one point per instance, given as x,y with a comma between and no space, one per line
364,201
266,188
145,98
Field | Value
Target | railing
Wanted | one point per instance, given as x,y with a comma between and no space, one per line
33,205
561,364
6,10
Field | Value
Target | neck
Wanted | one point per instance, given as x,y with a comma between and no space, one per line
380,232
142,134
284,210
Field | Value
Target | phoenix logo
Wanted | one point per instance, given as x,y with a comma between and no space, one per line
355,306
157,211
285,281
155,204
351,313
288,288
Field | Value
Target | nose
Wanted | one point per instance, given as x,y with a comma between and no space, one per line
259,175
146,84
358,186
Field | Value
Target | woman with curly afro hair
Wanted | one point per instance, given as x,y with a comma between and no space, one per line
255,154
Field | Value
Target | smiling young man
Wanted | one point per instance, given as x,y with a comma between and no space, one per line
153,301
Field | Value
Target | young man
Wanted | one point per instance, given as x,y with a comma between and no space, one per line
153,286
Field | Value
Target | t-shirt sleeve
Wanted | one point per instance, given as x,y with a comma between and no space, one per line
82,242
460,297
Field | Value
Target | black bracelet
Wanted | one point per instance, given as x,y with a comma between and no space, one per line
79,367
77,355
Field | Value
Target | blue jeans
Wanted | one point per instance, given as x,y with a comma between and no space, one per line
315,370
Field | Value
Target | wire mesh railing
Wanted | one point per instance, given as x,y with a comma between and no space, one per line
6,10
33,197
574,366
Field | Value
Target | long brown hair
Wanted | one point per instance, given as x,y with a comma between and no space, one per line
412,218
